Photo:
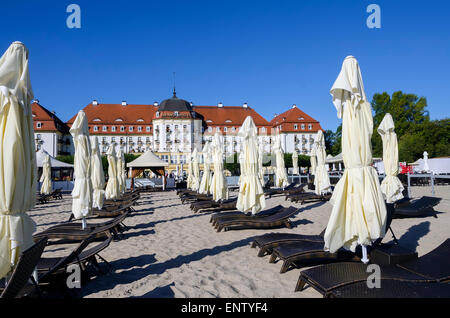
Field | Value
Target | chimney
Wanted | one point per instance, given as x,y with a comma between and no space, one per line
245,105
191,103
294,106
155,104
220,104
124,103
94,102
36,101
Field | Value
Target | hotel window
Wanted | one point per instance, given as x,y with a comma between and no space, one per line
176,114
131,128
95,128
104,128
217,128
176,127
310,127
263,129
183,159
139,128
130,138
121,140
303,126
113,128
225,129
295,126
184,126
139,139
165,158
157,114
38,136
113,139
147,128
173,159
147,139
39,125
104,139
122,128
233,129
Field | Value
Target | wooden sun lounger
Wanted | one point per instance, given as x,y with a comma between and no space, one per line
196,197
422,207
281,218
23,270
290,189
308,197
433,267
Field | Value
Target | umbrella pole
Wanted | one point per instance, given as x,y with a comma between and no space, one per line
83,223
364,258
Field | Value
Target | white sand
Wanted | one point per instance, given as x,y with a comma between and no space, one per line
169,251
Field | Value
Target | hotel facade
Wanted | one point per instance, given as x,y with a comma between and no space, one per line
173,128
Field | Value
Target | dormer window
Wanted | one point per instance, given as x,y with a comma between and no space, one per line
113,128
310,127
95,128
97,119
140,120
295,126
39,125
131,128
176,114
139,128
228,121
119,119
303,126
157,114
122,128
301,118
104,128
148,128
209,121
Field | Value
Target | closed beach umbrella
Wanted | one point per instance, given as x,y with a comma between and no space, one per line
218,187
241,167
97,175
121,178
390,186
313,160
195,171
190,173
426,168
260,162
18,169
321,179
295,162
82,190
112,187
46,177
280,173
358,216
251,193
205,184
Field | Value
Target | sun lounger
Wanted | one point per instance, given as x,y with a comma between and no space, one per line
240,215
433,267
308,197
268,241
290,189
280,218
23,270
422,207
302,252
80,255
57,195
224,205
196,197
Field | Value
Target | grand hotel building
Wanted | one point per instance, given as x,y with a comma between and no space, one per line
174,127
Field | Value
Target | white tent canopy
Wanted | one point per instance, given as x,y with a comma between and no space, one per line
436,165
147,160
335,159
40,155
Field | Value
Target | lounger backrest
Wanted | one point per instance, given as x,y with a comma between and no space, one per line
425,202
23,269
283,214
95,249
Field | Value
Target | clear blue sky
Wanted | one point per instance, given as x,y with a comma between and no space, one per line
271,54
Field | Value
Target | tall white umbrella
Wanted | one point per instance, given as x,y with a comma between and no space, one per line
195,171
260,163
281,179
97,175
82,190
295,162
205,183
46,177
426,168
321,179
218,187
190,176
18,171
391,186
251,192
121,177
359,212
241,167
112,187
313,160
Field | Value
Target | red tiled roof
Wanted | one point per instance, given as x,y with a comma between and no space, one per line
229,115
295,116
48,120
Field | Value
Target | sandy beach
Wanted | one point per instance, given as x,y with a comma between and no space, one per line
168,251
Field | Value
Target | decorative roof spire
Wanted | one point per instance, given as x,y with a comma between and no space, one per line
174,92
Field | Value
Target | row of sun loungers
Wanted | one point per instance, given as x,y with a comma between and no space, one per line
89,243
45,198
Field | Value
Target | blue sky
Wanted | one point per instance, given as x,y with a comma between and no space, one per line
271,54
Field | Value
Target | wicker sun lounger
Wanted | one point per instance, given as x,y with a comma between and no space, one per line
292,253
224,205
268,241
80,255
422,207
240,215
196,197
290,189
280,218
23,270
433,267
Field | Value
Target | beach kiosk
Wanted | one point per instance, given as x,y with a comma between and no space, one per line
148,160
